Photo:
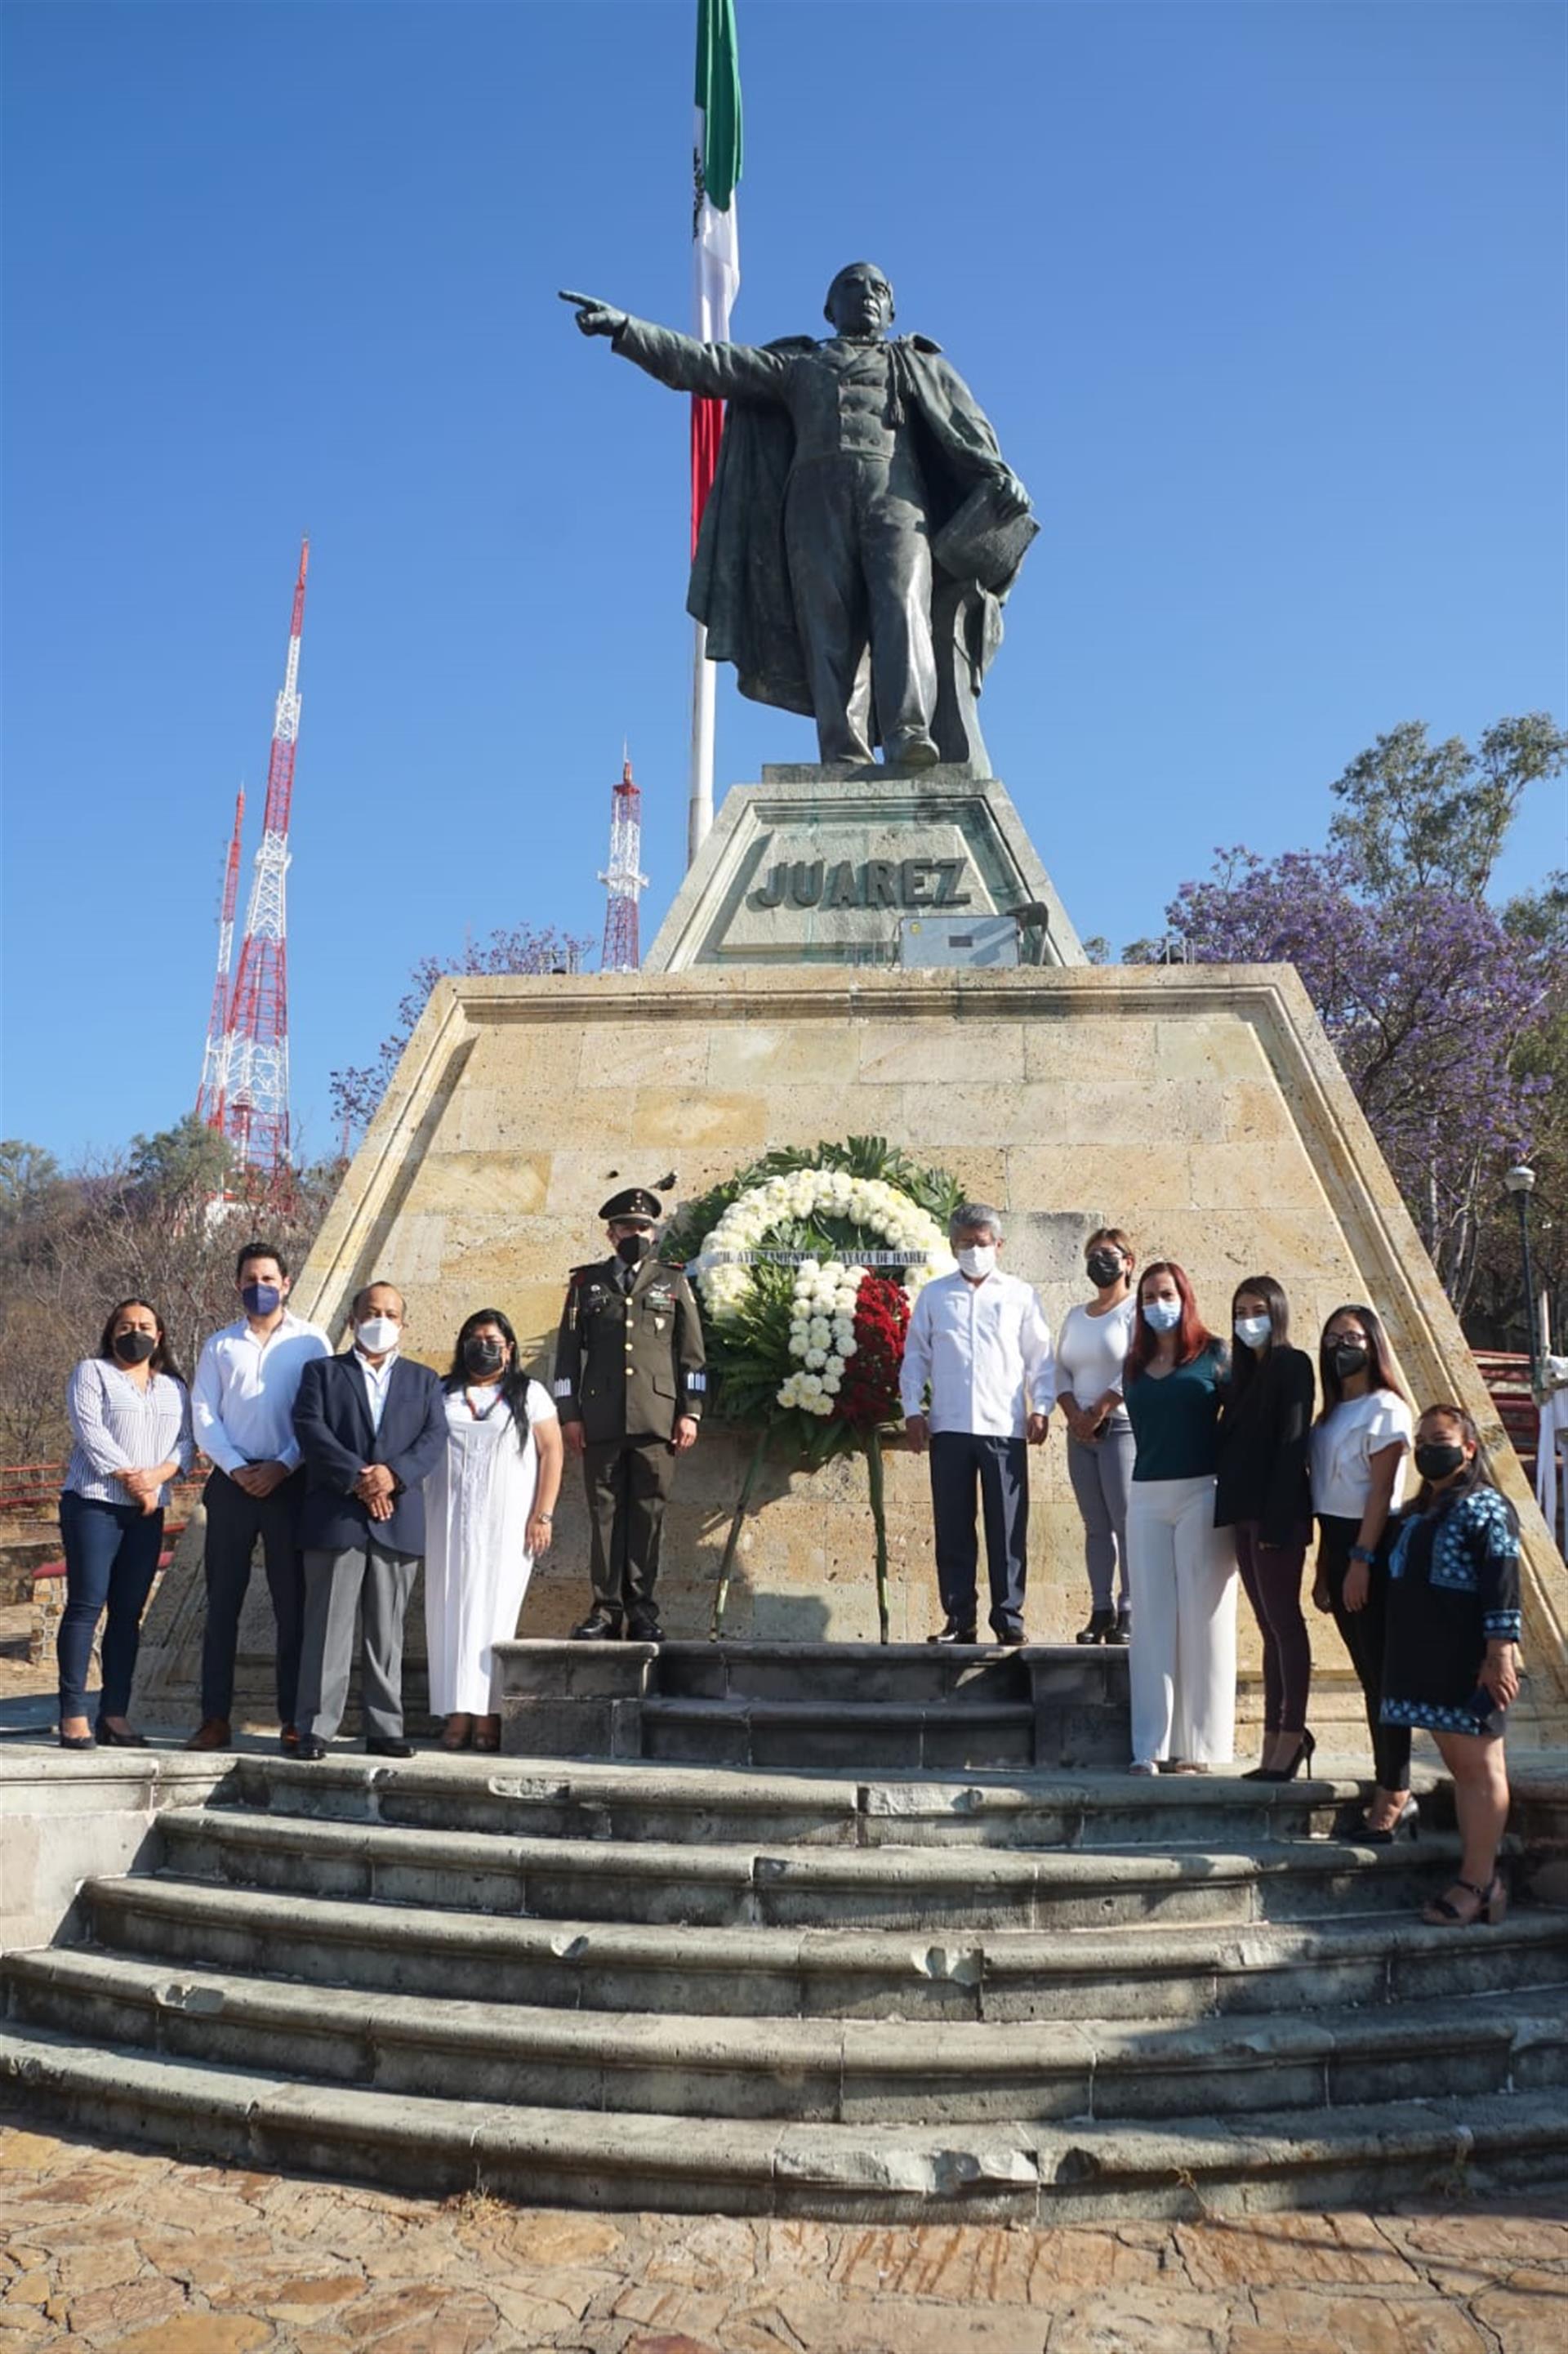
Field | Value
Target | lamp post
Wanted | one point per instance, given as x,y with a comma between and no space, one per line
1520,1183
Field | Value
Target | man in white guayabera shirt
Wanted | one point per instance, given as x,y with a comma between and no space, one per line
980,1341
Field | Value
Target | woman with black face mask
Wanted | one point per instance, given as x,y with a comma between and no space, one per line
489,1507
1359,1444
1451,1662
131,1423
1261,1497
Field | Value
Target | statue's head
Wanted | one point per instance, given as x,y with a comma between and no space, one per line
860,301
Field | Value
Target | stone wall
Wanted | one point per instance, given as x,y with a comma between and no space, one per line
1201,1109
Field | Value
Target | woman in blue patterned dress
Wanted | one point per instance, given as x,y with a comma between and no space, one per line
1451,1654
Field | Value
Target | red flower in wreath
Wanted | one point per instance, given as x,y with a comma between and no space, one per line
869,1394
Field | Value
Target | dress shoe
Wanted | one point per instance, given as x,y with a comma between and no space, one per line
954,1631
289,1741
311,1750
213,1733
1012,1638
1407,1821
1303,1757
78,1741
389,1749
644,1630
599,1627
107,1738
913,750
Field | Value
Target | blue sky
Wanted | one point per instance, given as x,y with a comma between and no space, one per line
1265,302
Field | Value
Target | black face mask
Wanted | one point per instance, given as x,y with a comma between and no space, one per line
1104,1267
1349,1357
135,1348
1437,1462
483,1356
632,1249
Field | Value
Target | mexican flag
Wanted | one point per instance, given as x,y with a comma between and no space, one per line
716,242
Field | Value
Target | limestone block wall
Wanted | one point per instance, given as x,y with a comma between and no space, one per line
1201,1109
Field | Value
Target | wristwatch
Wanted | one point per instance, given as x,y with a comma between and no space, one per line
1359,1552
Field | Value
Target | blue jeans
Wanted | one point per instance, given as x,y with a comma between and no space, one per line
111,1557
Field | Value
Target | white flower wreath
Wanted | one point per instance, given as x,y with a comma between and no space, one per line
822,1315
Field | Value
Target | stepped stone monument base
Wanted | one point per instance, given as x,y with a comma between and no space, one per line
1201,1107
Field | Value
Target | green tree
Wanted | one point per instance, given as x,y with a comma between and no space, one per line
180,1165
1417,816
28,1176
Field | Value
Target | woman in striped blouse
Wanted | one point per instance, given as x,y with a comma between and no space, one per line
131,1419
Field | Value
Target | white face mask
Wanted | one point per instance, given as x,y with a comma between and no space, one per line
377,1335
978,1259
1162,1315
1254,1330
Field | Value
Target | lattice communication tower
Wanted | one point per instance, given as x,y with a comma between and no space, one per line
209,1095
623,877
256,1079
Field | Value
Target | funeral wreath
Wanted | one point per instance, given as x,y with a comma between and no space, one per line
808,1263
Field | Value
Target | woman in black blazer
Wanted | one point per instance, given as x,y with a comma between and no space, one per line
1263,1497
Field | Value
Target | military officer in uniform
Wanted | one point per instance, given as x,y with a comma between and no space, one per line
629,1389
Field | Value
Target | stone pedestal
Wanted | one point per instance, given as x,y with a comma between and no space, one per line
820,865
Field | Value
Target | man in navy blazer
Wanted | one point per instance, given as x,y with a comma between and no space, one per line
371,1425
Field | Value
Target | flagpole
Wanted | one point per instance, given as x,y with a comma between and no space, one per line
715,281
700,805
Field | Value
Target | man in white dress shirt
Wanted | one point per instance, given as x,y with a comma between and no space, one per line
980,1341
243,1408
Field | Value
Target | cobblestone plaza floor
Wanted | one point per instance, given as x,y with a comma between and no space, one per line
134,2252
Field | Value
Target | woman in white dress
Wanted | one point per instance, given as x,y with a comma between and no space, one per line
488,1511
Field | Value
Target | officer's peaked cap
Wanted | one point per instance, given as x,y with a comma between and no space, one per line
636,1201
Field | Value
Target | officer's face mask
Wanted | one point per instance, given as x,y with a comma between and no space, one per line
632,1249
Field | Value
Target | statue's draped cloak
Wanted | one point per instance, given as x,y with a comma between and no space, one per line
740,587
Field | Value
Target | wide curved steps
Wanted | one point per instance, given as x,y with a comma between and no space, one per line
1037,1994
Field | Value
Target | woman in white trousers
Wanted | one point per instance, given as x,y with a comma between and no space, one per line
1183,1653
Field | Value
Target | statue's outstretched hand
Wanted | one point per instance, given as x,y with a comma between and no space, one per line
1012,495
594,317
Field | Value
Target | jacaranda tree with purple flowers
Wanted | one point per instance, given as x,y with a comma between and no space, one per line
1436,1002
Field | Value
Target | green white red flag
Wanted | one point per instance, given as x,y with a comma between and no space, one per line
715,243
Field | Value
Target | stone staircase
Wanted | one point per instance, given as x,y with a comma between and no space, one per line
1033,1992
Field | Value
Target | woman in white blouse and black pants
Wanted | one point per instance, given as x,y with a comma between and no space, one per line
131,1421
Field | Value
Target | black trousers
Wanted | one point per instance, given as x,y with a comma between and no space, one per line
960,1459
628,1481
234,1522
1361,1633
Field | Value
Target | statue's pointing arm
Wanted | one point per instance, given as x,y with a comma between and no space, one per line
714,371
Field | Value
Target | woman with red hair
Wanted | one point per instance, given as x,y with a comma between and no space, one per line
1183,1651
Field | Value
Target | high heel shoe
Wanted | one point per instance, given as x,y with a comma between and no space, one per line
1100,1628
1305,1750
1407,1821
107,1738
1491,1905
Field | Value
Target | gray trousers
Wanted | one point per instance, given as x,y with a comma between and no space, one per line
339,1588
1101,1477
860,569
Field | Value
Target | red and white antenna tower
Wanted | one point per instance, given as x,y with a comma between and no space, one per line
623,877
256,1076
210,1094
